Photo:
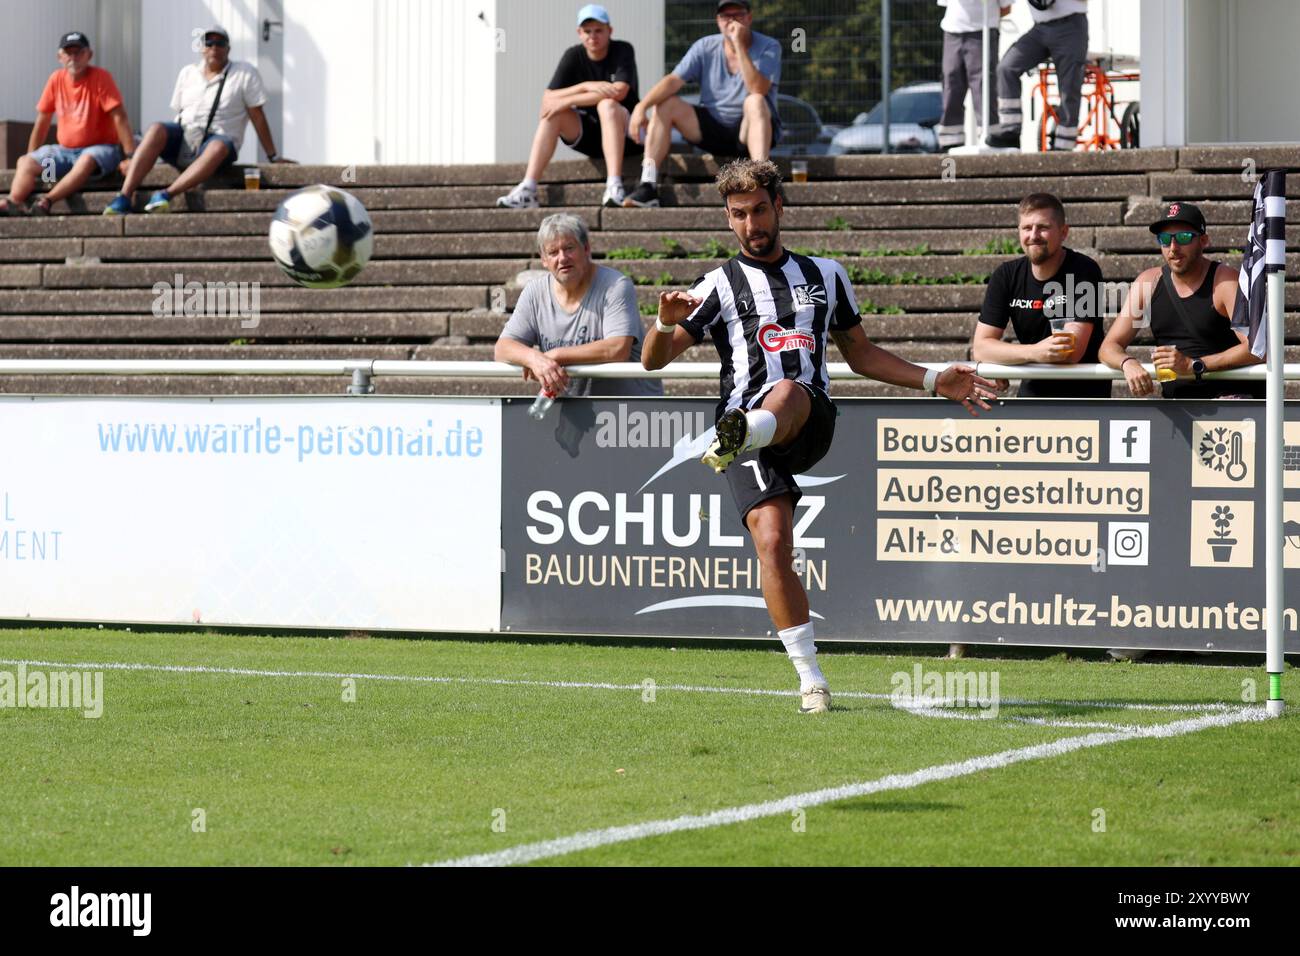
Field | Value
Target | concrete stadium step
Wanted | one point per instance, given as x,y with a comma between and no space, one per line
347,326
1230,157
505,245
395,353
1193,187
275,299
999,215
20,277
122,275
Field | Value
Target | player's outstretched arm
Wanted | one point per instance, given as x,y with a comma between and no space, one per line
661,347
957,382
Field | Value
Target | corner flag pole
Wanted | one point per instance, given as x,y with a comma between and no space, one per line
1273,416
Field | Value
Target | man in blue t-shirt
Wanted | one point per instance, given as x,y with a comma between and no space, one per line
737,70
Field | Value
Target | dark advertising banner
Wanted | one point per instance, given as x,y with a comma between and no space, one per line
1064,523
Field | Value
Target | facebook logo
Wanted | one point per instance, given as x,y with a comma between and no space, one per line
1130,442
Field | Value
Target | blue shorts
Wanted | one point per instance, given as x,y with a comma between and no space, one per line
107,156
178,153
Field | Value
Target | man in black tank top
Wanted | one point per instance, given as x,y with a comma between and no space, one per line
1049,282
1188,305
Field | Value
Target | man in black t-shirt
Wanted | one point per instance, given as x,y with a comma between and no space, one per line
587,105
1053,298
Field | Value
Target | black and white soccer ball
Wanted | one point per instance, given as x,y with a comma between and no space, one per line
322,237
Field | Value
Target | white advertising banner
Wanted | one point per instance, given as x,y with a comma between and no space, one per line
367,513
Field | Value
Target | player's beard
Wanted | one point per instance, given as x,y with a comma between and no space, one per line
761,245
1191,262
1038,253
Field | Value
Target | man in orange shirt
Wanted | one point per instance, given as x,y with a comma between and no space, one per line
94,136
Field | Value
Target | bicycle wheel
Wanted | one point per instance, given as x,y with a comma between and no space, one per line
1046,130
1130,128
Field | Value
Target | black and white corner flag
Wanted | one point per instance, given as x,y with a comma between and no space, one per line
1265,253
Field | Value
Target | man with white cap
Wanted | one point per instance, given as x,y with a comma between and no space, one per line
214,100
587,105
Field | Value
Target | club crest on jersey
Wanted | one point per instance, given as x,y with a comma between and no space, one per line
776,339
809,294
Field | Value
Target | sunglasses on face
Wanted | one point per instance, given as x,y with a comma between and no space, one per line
1184,237
213,41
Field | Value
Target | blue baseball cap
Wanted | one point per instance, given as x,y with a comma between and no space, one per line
593,11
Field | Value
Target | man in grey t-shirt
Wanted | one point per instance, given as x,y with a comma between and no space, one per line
738,71
580,314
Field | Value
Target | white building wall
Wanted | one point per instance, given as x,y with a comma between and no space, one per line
435,81
536,33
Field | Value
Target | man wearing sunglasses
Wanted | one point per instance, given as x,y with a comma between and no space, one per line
1188,305
214,100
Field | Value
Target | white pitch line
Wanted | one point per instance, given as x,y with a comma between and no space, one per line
590,685
591,839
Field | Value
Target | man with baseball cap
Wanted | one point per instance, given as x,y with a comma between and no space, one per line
587,105
214,100
738,71
94,135
1188,304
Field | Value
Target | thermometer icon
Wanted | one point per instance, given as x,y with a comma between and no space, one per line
1236,465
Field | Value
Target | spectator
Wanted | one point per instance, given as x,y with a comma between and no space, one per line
1060,31
1188,304
93,131
586,106
963,62
738,71
580,314
213,100
1048,282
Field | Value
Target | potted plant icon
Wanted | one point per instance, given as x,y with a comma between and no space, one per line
1221,544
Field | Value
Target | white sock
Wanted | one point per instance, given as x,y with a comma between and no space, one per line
613,180
799,645
649,172
762,429
527,185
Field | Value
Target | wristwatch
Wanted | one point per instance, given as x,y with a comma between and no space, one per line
1199,368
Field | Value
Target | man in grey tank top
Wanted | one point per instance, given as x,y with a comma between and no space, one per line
1187,307
579,314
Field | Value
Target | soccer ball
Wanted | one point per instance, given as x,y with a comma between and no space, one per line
321,237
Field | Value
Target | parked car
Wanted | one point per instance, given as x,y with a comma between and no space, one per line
802,131
914,111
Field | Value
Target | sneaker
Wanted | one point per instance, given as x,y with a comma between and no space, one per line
1002,140
120,206
645,196
815,701
159,202
519,198
614,196
729,439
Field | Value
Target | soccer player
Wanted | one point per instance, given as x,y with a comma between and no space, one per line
769,312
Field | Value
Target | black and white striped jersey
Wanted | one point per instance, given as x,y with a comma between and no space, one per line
769,321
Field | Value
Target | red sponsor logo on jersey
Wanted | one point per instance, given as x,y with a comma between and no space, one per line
776,339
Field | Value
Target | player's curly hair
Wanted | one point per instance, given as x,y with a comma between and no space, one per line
746,175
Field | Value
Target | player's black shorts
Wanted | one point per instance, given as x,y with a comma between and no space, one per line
718,138
769,472
589,142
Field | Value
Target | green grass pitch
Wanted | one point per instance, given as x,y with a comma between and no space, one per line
283,770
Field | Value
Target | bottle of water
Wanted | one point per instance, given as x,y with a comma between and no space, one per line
541,405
